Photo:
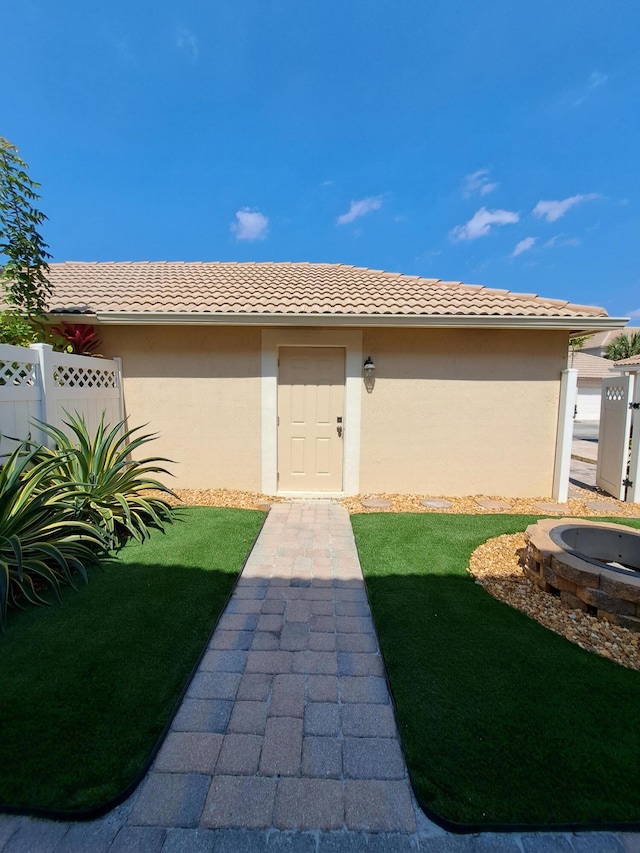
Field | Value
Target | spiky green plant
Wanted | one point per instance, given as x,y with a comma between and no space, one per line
624,346
42,542
112,487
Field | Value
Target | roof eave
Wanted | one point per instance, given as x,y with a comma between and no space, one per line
478,321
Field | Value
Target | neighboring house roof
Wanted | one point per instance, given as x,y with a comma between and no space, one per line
602,339
590,366
633,361
149,291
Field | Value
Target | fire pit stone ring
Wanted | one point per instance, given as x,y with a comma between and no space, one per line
591,566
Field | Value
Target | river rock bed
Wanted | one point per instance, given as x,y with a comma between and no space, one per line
495,566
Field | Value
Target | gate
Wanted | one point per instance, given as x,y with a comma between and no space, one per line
615,432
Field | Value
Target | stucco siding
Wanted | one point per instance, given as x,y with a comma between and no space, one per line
461,412
453,412
199,388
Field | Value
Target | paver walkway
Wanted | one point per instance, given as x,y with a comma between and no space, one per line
286,739
288,724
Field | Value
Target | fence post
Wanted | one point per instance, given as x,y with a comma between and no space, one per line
47,385
118,362
564,436
633,491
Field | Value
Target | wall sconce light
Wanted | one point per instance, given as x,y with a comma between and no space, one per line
369,371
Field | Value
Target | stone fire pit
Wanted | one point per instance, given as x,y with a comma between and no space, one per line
591,566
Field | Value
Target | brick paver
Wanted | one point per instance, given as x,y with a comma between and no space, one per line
286,739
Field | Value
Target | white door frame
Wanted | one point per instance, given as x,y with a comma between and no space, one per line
351,341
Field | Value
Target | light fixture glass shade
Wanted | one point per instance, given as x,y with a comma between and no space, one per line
369,371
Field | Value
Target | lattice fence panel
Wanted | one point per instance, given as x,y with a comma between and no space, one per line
83,377
20,374
614,393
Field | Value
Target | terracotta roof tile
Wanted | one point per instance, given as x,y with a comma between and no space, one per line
591,366
283,288
632,361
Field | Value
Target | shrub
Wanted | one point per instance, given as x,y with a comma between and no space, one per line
79,339
111,487
43,544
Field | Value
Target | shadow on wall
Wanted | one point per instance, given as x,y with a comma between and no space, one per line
437,354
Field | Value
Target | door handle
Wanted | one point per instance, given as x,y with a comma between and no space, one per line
339,427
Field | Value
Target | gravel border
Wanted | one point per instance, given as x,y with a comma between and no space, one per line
575,506
495,566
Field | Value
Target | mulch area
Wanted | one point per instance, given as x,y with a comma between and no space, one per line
495,566
575,506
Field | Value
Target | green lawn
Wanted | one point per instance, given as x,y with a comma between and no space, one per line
86,688
502,721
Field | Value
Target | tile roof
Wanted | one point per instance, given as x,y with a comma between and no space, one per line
602,339
634,361
590,366
283,288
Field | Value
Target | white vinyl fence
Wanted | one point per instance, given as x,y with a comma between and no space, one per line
38,383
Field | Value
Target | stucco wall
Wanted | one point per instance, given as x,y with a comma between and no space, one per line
461,412
452,413
199,388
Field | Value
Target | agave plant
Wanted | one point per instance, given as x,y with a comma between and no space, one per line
42,542
112,488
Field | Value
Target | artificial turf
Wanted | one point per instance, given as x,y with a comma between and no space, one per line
87,687
502,721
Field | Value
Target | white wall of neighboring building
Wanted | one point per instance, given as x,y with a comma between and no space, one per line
588,399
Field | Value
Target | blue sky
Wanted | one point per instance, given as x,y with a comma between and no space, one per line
494,143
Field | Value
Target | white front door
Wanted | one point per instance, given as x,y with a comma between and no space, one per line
311,419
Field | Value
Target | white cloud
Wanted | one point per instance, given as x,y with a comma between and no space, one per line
188,43
552,210
523,246
428,255
250,225
480,224
478,182
560,241
596,79
360,208
635,313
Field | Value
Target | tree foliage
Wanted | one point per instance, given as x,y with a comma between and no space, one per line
624,346
579,341
23,249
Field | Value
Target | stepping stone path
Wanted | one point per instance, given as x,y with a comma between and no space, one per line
286,739
436,503
486,503
603,506
376,503
549,507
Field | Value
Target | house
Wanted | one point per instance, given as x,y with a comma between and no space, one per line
630,365
598,343
592,369
253,374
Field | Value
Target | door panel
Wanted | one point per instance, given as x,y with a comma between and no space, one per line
310,401
615,429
